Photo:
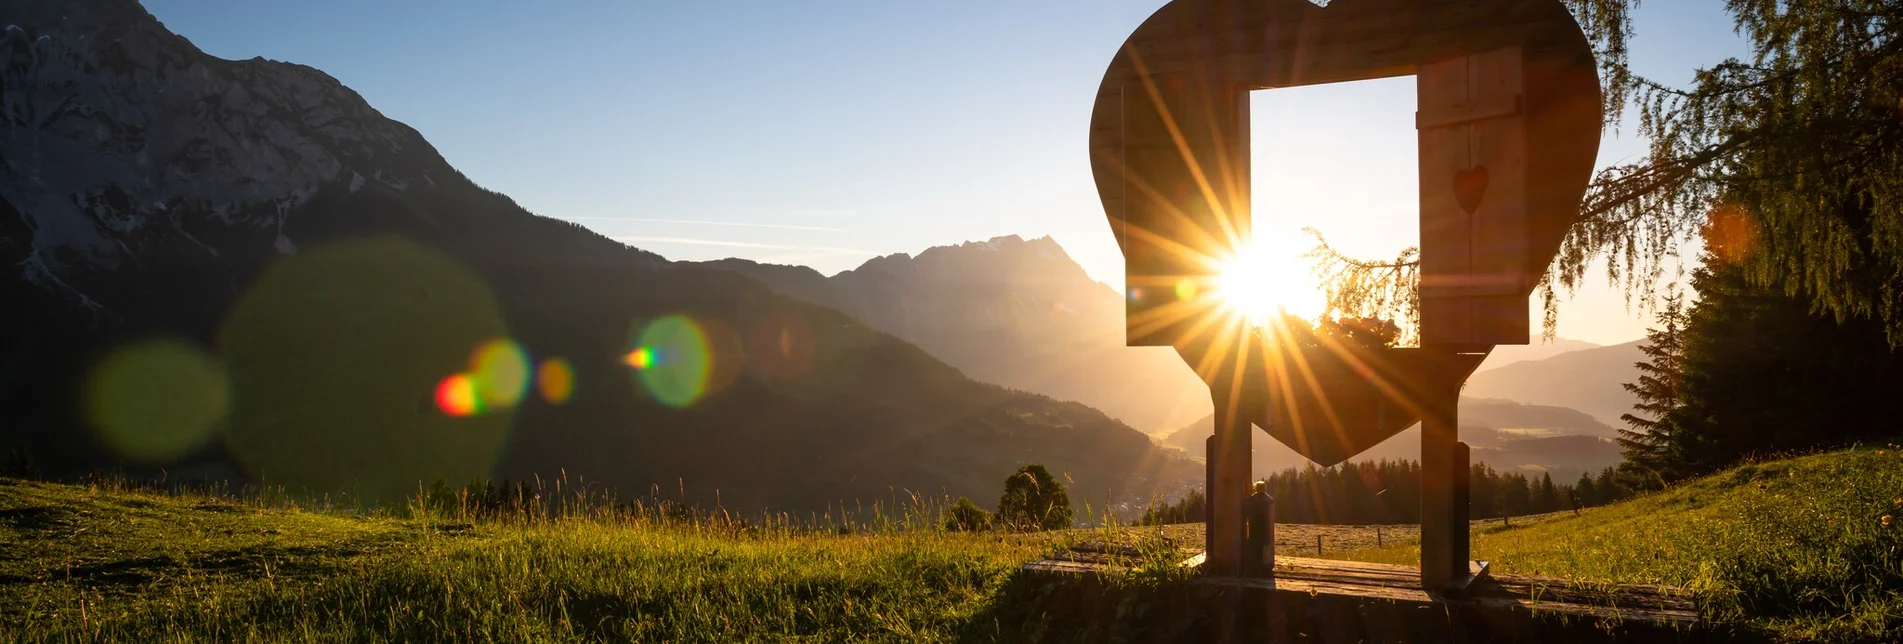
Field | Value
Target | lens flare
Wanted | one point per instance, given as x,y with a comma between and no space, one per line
780,345
457,396
331,351
157,400
672,362
640,358
501,373
1185,289
555,381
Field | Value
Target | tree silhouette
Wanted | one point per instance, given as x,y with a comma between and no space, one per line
965,516
1034,500
1649,462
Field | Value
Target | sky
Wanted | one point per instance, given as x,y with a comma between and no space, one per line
829,132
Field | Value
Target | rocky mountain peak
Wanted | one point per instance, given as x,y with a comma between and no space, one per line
117,130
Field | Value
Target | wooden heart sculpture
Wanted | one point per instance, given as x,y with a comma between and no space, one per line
1172,110
1470,185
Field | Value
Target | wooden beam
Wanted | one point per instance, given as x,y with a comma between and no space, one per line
1230,487
1442,561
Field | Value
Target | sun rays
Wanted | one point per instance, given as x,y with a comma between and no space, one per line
1242,305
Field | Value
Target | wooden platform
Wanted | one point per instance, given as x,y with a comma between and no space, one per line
1355,590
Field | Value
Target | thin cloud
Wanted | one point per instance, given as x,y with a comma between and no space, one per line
826,213
708,222
697,241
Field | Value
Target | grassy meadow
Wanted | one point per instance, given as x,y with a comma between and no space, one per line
99,563
1810,548
1799,547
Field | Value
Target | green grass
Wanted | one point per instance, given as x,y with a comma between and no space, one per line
104,563
1797,546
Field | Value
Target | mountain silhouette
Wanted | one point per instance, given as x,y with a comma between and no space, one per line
1506,435
1539,349
242,270
1589,380
1015,312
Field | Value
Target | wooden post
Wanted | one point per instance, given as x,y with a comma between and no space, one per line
1441,562
1209,497
1259,548
1473,176
1463,507
1230,486
1268,535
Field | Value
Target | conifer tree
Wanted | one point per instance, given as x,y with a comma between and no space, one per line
1584,493
1649,461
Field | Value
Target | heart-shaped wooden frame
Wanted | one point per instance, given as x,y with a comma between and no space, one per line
1194,61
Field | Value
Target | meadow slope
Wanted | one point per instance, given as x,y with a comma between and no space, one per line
1810,548
1807,549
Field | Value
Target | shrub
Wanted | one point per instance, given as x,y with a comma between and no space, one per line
1033,500
965,516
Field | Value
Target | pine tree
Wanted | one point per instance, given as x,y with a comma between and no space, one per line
1607,487
1765,374
1801,140
1584,491
1547,494
1649,460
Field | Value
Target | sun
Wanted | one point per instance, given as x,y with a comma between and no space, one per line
1266,278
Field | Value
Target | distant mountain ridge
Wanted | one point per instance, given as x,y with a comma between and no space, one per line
1538,349
1589,380
1506,435
1010,311
332,272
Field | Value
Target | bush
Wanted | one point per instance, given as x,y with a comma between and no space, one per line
965,516
19,465
1033,500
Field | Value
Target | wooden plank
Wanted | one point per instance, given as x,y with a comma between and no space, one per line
1451,115
1473,201
1184,182
1362,581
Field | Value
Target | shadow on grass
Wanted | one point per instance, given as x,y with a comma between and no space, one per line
255,561
1036,607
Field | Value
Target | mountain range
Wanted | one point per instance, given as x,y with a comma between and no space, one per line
1013,312
243,270
171,214
1022,314
1589,380
1505,435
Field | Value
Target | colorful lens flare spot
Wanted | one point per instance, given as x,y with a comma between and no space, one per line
456,396
501,372
672,362
1185,289
158,400
640,358
555,381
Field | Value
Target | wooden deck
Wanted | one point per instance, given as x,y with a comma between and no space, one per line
1497,606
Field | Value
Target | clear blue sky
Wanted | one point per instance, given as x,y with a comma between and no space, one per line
831,131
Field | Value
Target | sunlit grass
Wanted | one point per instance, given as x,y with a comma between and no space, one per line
1800,546
1797,546
103,563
